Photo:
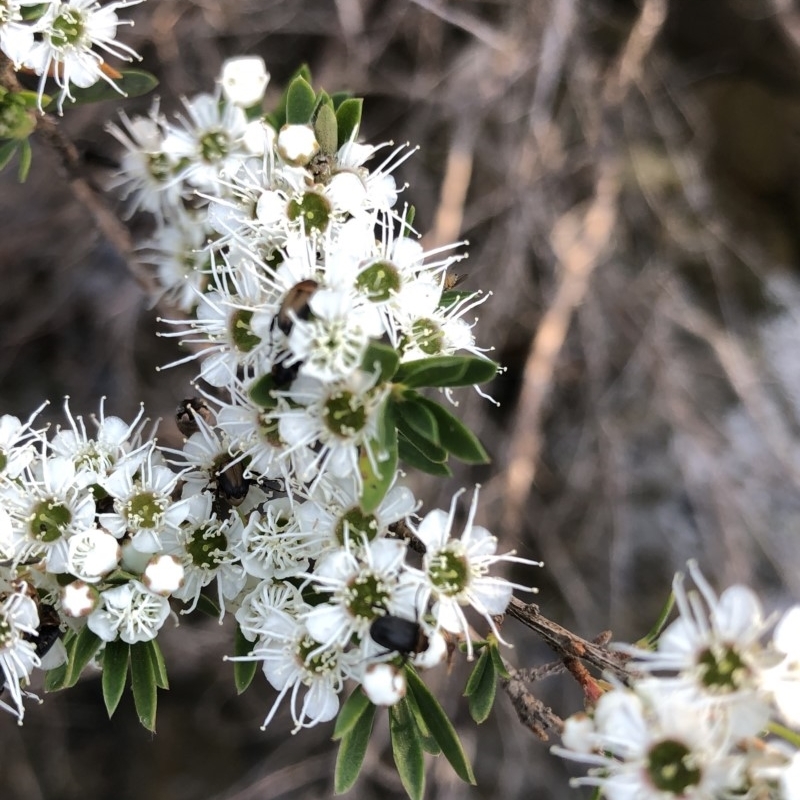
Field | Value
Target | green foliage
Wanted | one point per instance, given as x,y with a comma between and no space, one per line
350,713
379,471
446,371
380,357
348,119
300,102
144,682
243,671
482,686
407,749
325,128
353,745
131,83
115,672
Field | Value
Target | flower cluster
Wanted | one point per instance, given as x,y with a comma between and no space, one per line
60,39
711,713
315,317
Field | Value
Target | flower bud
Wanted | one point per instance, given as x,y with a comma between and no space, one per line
79,599
384,684
163,575
244,80
297,144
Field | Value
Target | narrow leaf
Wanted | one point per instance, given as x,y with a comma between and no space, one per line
430,450
325,129
407,750
56,679
379,358
143,683
429,744
499,666
481,699
477,673
377,477
352,749
348,119
130,83
447,371
7,150
115,673
86,645
207,606
440,726
243,671
159,665
337,98
412,456
419,418
350,712
454,436
24,160
300,102
261,392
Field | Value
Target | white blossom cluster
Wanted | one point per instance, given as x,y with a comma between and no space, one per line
60,39
290,263
713,713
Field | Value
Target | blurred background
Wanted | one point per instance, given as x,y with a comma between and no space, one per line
627,176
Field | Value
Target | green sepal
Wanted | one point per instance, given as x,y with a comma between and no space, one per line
651,637
159,665
446,371
381,358
440,726
261,392
414,457
243,671
482,687
115,673
350,712
352,749
375,484
454,436
497,659
414,415
131,83
407,750
325,128
25,156
348,119
7,150
143,684
300,102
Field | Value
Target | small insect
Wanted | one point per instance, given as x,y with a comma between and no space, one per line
295,304
49,630
453,279
232,486
283,375
402,635
187,412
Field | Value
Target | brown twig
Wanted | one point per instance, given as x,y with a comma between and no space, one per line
531,711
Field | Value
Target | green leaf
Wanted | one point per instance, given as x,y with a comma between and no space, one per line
432,452
650,639
419,418
131,83
352,749
451,296
384,451
143,683
24,160
261,392
481,698
325,128
440,726
337,98
115,672
412,456
477,672
407,750
207,606
446,371
86,645
300,102
380,357
429,744
406,227
497,659
350,712
7,150
348,119
33,12
56,679
243,671
159,665
454,436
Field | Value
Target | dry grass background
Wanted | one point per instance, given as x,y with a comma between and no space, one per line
627,175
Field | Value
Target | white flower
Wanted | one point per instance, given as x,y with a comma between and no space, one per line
69,31
244,80
258,606
19,622
130,612
16,37
784,680
297,144
163,575
384,684
17,444
455,571
92,554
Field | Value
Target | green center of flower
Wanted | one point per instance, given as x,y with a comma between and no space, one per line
314,209
366,596
159,166
6,632
3,460
49,521
344,414
67,29
206,544
145,510
723,670
428,336
244,340
268,430
671,767
313,663
356,525
379,281
214,146
449,572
